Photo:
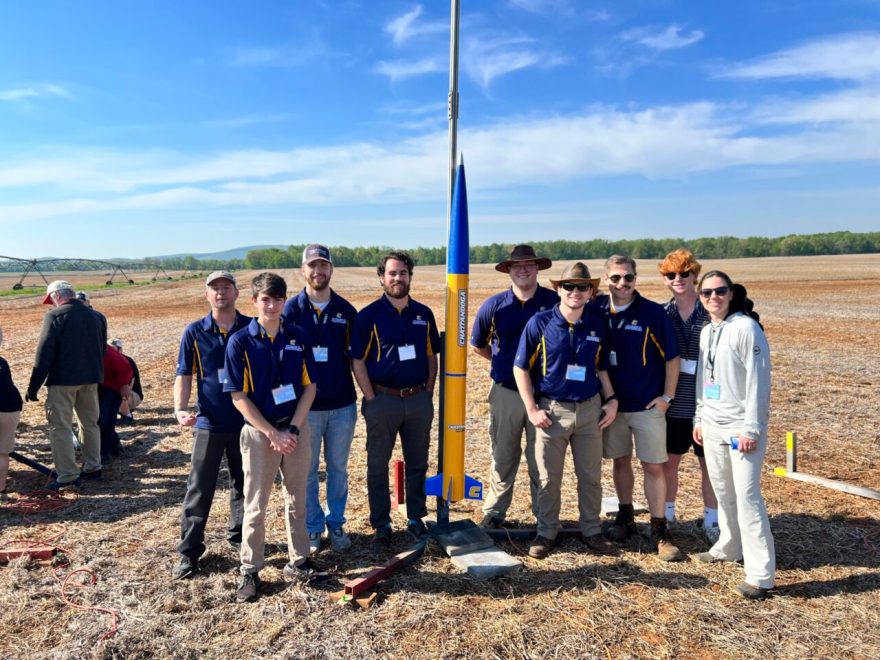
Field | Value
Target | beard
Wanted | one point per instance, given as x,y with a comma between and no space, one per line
319,284
397,290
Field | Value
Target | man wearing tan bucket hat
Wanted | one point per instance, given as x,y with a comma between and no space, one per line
495,337
561,372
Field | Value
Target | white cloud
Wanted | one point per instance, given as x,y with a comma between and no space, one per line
401,69
34,92
852,56
669,142
542,6
404,27
486,58
282,56
247,120
670,38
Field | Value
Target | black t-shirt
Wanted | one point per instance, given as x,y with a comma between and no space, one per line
10,399
137,378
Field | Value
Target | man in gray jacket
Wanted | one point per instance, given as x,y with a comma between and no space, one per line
70,360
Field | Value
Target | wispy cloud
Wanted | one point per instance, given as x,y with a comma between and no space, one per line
664,142
851,56
543,6
669,38
31,92
396,70
405,27
487,58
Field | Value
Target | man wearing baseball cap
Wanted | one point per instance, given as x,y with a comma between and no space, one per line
216,423
327,320
495,337
561,371
70,360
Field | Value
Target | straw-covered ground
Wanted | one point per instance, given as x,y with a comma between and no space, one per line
822,320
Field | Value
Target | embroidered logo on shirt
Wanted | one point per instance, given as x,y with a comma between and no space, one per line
293,347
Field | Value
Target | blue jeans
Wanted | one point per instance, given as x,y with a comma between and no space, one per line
336,429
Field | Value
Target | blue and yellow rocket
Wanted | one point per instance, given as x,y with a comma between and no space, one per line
452,484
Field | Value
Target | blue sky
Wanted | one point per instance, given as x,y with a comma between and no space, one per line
144,128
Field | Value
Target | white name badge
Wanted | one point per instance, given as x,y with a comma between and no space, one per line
712,391
320,353
689,367
221,375
407,352
283,394
612,358
576,372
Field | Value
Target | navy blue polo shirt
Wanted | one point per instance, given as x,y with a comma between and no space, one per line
203,354
500,323
549,344
256,364
329,329
380,331
641,340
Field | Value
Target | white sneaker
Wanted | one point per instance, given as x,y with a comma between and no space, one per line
314,542
712,534
339,540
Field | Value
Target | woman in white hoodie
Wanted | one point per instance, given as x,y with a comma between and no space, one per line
733,409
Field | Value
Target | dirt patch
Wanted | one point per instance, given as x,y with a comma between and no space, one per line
822,320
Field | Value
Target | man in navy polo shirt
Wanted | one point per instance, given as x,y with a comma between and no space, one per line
327,319
495,337
268,367
394,356
216,423
560,370
643,361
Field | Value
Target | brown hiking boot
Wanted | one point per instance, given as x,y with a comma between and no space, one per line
540,547
624,524
666,549
600,545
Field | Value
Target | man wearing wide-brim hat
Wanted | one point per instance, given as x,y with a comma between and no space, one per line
561,372
495,336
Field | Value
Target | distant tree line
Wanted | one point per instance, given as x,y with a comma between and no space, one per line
718,247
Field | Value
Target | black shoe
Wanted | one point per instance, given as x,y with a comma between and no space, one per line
305,572
381,537
417,530
67,485
185,568
540,547
491,522
94,475
752,593
248,588
624,525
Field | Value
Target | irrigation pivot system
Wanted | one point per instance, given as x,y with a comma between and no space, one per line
115,272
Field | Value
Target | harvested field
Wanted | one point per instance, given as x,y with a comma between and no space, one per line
822,316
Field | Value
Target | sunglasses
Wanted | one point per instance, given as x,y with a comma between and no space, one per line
629,277
721,291
671,276
571,286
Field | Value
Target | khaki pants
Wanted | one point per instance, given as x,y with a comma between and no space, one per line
574,425
507,421
61,401
261,463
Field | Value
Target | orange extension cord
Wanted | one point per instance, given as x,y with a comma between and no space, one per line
49,501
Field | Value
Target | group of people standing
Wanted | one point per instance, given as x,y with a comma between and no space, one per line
599,374
608,373
88,383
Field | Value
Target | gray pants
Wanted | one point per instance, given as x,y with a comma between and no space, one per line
575,425
261,463
507,421
411,417
61,401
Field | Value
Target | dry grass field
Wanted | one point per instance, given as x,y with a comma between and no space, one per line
822,316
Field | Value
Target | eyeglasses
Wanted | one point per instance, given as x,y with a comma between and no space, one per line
571,286
629,277
671,276
721,291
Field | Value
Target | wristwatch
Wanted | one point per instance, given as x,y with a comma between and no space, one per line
293,429
667,399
